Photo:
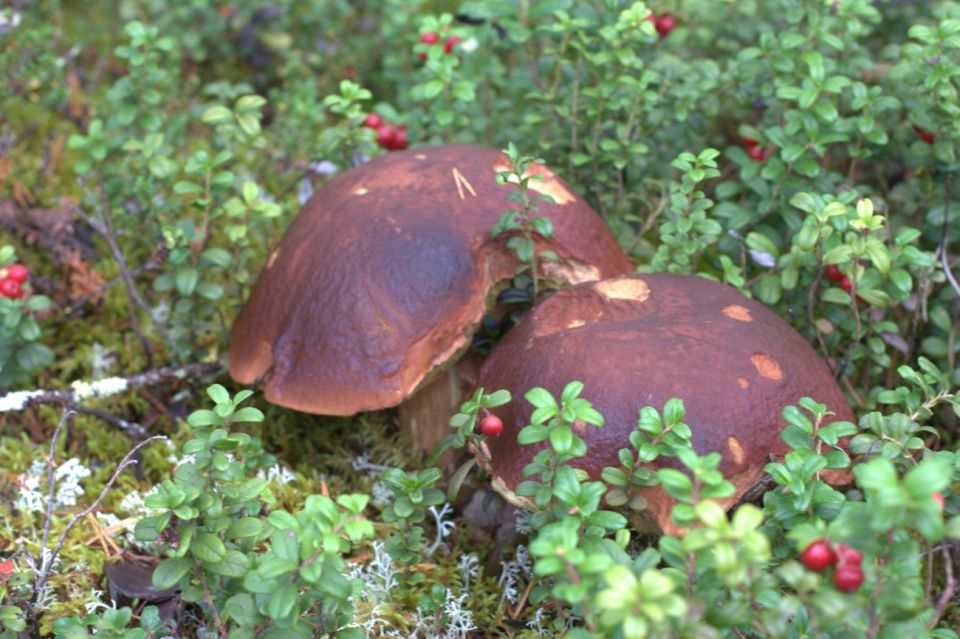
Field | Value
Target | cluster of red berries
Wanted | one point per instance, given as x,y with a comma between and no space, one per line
821,554
755,150
392,137
430,38
12,279
832,271
491,426
925,135
663,23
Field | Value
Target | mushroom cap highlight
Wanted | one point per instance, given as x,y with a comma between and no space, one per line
640,340
384,274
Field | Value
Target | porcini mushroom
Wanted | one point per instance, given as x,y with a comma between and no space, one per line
385,273
640,340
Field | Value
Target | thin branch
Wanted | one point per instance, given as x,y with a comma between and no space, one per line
51,476
945,237
208,598
103,225
46,563
948,589
133,429
124,464
811,299
81,391
858,325
105,228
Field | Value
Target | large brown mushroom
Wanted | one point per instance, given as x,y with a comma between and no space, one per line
384,275
639,340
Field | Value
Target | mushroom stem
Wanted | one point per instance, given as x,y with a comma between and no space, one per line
425,418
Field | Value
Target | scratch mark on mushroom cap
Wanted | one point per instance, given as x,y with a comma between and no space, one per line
736,450
624,288
738,312
766,366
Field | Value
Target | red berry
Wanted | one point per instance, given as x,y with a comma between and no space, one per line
386,134
845,284
938,497
848,578
11,289
652,18
818,555
199,236
451,43
373,121
849,556
748,142
756,153
6,568
18,273
925,135
400,141
665,24
429,38
832,271
491,426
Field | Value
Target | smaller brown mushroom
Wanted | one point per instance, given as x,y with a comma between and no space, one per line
640,340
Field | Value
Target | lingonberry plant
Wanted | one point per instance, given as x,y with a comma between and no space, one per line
686,230
284,570
151,154
522,223
22,352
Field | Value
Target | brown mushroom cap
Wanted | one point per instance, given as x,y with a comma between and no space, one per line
639,340
384,274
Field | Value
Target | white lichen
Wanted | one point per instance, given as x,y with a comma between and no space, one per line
469,566
12,402
380,494
362,462
445,526
45,597
33,485
82,389
160,313
378,577
94,602
458,620
132,504
100,388
512,572
522,519
102,359
277,473
536,623
452,621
